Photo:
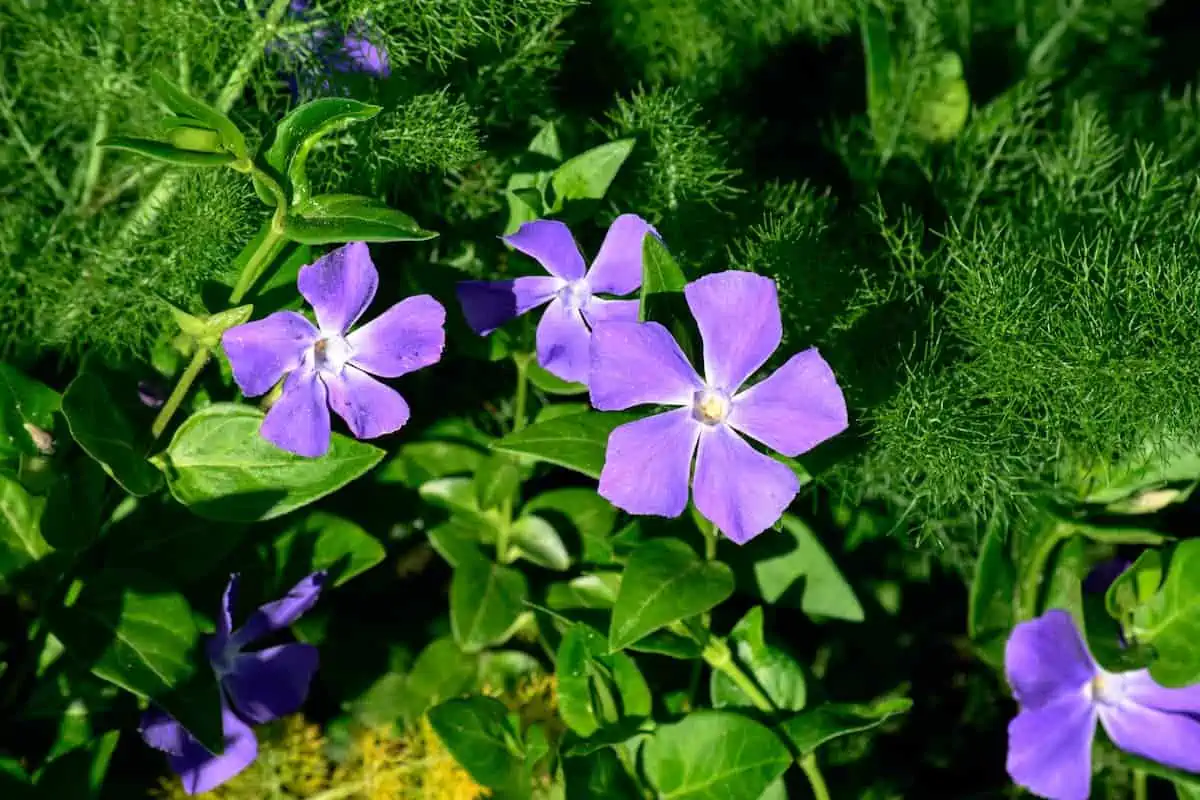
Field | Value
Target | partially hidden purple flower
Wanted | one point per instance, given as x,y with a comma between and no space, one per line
648,462
1061,692
1101,576
326,365
256,687
571,290
350,52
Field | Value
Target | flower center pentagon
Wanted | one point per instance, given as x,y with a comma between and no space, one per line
575,295
331,354
1107,688
710,406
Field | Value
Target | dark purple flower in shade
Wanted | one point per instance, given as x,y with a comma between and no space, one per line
328,367
1061,692
256,687
326,49
648,462
571,290
1103,574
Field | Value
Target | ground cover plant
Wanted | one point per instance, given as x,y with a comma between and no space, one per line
673,399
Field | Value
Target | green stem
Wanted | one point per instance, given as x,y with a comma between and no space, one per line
259,260
815,779
522,395
719,657
1140,788
180,391
1031,583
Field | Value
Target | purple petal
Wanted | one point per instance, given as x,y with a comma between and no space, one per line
562,342
201,771
162,732
279,614
370,408
408,336
271,683
1171,739
263,351
618,266
796,408
489,304
299,420
634,363
599,311
228,603
738,489
551,244
1139,687
648,463
1046,658
365,56
738,317
1050,748
339,286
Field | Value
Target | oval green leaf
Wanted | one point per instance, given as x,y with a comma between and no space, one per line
302,128
219,466
486,601
713,755
575,441
665,581
185,105
775,672
162,151
812,728
336,218
477,732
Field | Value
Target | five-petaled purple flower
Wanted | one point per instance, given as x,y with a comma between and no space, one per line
649,461
571,290
353,52
328,365
1062,692
256,687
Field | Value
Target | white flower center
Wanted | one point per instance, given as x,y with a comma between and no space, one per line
330,354
1107,688
575,295
711,406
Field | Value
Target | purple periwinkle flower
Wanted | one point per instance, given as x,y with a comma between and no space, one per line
1062,692
648,462
256,687
328,365
1101,576
571,290
352,52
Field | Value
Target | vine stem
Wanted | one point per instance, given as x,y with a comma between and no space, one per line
180,391
815,779
1140,788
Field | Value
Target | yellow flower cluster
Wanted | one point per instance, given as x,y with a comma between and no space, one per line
382,764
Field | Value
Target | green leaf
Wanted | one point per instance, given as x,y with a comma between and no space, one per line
185,105
441,671
190,134
21,542
324,541
162,151
74,505
552,384
337,218
582,514
497,481
133,631
486,601
576,441
106,419
1064,579
598,774
662,280
877,50
665,581
535,540
477,732
810,729
594,590
588,175
419,462
793,569
990,612
671,645
207,331
219,466
1136,586
597,688
714,755
1170,620
459,538
78,773
775,672
457,495
27,410
14,782
302,128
